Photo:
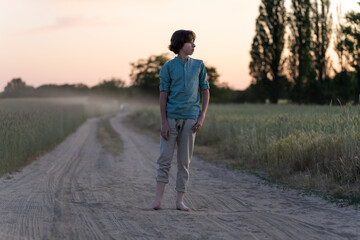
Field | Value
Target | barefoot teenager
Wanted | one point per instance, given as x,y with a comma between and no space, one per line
182,79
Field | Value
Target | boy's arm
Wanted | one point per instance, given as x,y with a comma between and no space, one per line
165,129
205,95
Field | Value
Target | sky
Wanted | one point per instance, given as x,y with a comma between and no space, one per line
87,41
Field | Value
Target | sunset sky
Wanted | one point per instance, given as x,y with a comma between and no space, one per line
86,41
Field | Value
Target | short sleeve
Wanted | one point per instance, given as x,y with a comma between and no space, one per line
203,82
164,78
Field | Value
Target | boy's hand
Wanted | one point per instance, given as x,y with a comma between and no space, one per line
165,131
198,124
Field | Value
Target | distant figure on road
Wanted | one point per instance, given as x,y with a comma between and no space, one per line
181,81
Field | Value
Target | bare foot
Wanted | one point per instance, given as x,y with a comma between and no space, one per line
182,207
152,206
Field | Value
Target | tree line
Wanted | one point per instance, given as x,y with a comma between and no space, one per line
17,88
289,53
145,82
289,60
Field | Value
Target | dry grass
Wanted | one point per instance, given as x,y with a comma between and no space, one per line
107,136
30,127
312,147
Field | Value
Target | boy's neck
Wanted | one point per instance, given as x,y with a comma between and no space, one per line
183,57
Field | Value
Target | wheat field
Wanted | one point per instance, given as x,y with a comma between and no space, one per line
312,147
30,127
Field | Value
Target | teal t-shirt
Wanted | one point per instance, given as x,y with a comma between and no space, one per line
182,81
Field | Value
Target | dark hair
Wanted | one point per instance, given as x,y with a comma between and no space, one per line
179,38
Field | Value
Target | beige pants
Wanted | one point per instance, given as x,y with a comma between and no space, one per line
182,134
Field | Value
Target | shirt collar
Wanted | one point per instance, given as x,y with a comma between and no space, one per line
182,61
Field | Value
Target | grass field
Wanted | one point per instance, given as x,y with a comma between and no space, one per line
31,127
311,147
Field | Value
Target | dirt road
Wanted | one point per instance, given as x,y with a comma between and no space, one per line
79,191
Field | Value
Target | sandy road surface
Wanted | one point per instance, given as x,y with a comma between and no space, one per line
79,191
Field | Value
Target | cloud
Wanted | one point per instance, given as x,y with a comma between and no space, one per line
59,24
67,22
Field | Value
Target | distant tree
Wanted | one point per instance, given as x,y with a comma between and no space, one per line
344,87
17,88
258,69
317,88
219,92
255,93
114,87
65,90
322,25
145,75
300,60
212,76
344,83
81,86
340,39
145,72
266,66
352,43
112,84
213,79
15,84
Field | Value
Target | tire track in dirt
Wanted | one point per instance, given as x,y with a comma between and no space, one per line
80,191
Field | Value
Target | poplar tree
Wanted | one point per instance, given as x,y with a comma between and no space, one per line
344,86
258,67
300,60
322,25
340,38
352,43
266,66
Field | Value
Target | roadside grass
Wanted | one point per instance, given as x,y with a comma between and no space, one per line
108,137
314,149
30,127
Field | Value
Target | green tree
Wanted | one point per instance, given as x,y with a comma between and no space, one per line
112,87
145,72
218,92
344,83
212,76
15,84
322,25
112,84
65,90
145,75
299,41
258,70
267,48
352,43
344,87
340,39
17,88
